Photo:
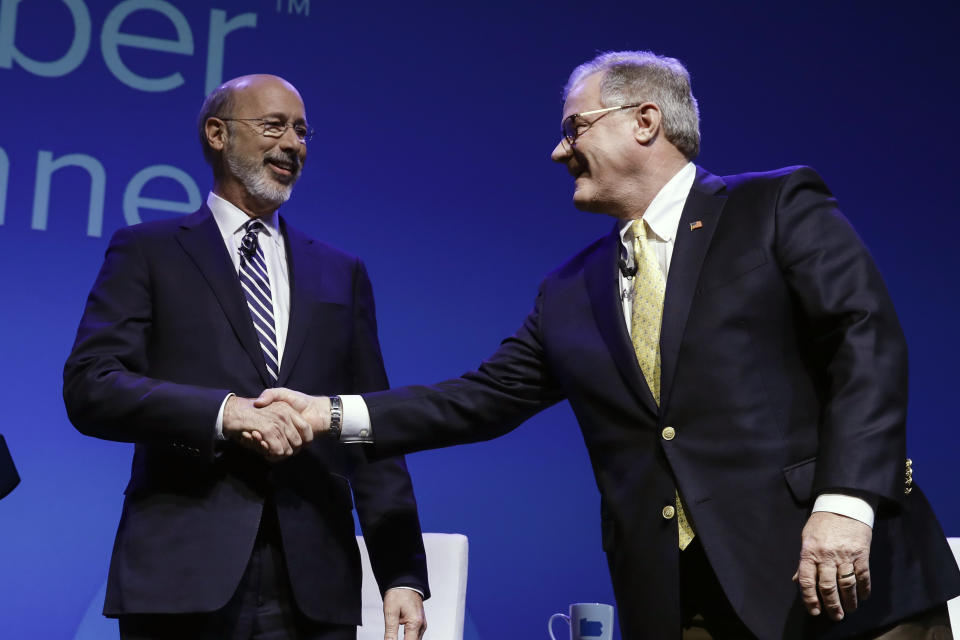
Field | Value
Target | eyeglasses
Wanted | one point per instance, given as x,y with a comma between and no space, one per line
573,129
272,128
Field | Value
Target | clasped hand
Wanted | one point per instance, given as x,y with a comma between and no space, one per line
278,423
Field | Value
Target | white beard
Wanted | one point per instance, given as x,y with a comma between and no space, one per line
253,174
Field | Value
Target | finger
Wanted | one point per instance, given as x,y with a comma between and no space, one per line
391,622
288,417
847,586
862,567
292,434
303,426
417,626
807,579
827,585
246,440
412,618
412,629
277,443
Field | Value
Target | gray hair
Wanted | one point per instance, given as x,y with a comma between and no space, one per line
219,101
643,76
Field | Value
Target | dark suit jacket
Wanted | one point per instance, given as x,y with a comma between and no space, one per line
784,374
9,478
165,335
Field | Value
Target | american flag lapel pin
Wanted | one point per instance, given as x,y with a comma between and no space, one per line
696,225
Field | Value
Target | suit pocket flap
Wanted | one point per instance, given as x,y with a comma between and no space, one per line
799,477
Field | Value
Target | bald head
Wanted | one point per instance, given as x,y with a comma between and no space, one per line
242,94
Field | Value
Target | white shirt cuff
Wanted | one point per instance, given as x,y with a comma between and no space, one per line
849,506
408,589
219,426
355,425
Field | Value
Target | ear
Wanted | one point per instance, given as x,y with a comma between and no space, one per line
649,118
216,130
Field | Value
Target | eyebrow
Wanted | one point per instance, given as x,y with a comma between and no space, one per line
282,116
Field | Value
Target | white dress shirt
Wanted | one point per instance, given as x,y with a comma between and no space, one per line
663,218
230,221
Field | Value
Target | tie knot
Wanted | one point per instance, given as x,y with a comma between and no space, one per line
250,241
640,229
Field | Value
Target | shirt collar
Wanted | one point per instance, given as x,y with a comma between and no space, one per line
663,213
230,219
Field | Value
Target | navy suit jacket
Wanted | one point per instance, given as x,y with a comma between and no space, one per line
165,335
9,479
784,375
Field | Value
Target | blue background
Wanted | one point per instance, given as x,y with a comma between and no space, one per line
435,124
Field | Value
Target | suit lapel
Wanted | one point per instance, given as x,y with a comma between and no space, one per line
603,288
704,206
200,238
300,261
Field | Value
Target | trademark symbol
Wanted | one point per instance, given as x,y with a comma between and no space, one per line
299,7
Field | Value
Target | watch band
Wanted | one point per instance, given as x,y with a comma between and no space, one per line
336,416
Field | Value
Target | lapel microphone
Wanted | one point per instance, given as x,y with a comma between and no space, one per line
627,269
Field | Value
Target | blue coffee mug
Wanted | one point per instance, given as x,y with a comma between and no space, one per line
587,620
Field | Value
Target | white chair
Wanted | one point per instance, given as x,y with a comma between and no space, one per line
954,605
447,567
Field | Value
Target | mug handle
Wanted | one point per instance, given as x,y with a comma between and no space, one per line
566,619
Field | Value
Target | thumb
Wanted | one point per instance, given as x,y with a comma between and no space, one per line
268,396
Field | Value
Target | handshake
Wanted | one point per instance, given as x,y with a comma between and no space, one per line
278,423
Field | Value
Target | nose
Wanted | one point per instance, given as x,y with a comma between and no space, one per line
290,140
561,152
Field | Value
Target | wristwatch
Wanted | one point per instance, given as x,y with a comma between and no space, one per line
336,416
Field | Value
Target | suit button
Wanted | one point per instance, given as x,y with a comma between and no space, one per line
668,433
668,512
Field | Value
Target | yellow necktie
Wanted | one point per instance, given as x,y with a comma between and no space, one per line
649,286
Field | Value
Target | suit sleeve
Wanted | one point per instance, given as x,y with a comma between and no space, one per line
382,489
507,389
855,342
105,387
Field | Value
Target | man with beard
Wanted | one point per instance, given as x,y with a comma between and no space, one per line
223,535
739,376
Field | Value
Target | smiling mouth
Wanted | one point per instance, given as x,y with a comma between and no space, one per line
282,168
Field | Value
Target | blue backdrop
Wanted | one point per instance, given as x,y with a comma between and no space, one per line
435,124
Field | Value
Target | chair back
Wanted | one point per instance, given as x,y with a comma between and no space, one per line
953,605
447,569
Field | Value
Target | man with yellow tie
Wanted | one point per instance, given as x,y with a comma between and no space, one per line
739,375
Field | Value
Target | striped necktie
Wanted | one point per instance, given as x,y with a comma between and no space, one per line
256,288
649,287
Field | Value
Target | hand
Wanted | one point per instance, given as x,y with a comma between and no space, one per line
277,431
314,409
834,560
403,607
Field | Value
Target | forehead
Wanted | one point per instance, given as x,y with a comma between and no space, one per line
269,97
584,96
